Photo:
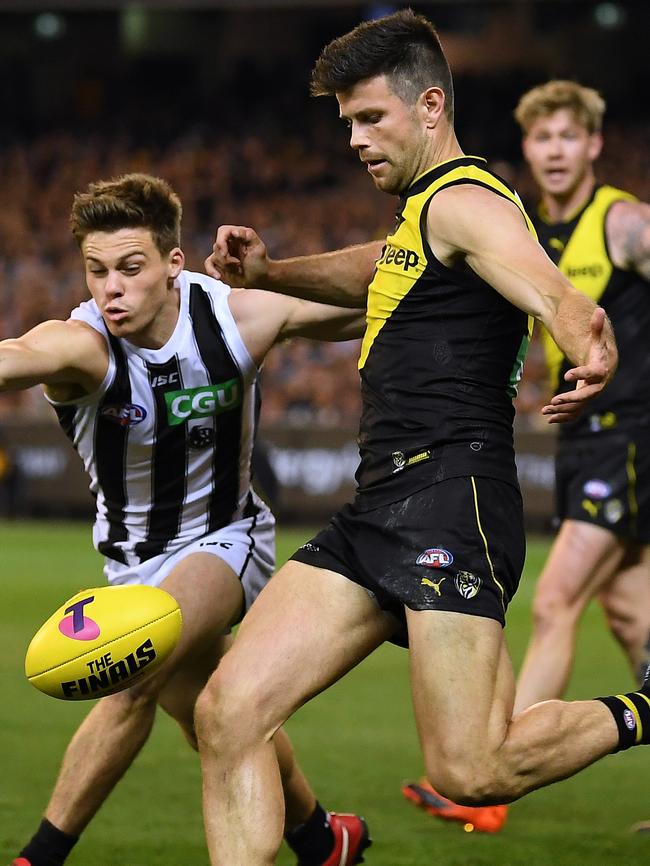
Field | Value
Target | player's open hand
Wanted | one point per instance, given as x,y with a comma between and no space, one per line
239,258
591,377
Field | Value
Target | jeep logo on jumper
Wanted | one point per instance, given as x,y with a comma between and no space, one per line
584,271
202,402
405,259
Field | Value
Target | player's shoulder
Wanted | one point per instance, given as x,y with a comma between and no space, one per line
470,207
205,282
627,229
64,336
259,305
630,213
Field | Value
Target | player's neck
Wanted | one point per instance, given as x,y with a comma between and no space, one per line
563,207
444,149
159,331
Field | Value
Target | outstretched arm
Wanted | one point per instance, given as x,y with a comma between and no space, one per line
266,318
489,233
68,357
239,258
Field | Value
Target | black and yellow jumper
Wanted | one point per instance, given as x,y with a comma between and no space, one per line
441,357
579,248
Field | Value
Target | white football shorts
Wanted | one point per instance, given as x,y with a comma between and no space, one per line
247,546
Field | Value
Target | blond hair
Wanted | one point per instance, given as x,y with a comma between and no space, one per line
586,104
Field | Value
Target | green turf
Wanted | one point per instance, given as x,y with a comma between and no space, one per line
356,742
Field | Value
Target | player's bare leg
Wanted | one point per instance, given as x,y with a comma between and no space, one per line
299,799
626,604
210,597
178,699
474,752
307,628
582,560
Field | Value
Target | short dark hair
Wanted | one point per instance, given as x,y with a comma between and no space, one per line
404,46
129,201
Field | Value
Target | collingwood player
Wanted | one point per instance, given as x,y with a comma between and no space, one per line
154,381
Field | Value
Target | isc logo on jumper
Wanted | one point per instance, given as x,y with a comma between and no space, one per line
202,402
435,557
164,379
78,626
124,414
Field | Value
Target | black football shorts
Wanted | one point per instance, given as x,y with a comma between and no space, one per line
606,481
457,545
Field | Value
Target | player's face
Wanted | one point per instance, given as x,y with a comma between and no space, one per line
560,153
385,132
132,284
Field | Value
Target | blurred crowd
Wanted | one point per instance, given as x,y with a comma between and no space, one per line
301,195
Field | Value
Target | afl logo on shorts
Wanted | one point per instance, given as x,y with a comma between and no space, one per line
124,414
597,489
467,584
435,557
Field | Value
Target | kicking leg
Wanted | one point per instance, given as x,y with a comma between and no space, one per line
308,627
583,559
463,688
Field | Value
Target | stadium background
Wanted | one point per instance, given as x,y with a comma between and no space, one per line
213,96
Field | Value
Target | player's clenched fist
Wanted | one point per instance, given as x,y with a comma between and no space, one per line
239,257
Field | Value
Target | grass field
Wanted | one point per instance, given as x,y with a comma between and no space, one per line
356,742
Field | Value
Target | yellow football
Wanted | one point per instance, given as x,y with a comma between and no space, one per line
103,640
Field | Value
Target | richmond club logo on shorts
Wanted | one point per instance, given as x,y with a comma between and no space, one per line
78,626
467,584
435,557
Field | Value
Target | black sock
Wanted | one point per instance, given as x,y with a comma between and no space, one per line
312,841
632,716
49,846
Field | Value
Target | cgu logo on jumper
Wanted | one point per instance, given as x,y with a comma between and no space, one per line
201,402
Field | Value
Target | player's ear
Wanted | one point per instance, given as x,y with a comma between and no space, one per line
595,145
432,105
175,262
